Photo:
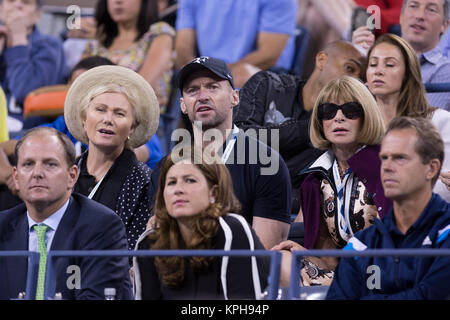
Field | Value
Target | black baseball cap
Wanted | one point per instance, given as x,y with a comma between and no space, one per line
216,66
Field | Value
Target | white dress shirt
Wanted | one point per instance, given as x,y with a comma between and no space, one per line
52,222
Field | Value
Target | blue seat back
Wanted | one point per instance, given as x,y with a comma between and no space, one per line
302,38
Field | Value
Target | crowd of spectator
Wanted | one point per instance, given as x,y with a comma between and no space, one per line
185,125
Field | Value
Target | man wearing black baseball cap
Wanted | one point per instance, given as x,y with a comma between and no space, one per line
216,66
263,189
208,95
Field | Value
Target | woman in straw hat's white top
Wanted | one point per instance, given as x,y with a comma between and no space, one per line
112,109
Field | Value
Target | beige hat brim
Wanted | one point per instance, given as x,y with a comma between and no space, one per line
146,108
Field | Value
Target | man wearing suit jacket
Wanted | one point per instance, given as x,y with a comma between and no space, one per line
45,175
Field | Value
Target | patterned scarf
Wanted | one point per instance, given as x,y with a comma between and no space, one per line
344,199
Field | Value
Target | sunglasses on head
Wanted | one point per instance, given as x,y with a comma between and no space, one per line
351,110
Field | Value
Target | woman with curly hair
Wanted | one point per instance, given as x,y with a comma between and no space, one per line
192,211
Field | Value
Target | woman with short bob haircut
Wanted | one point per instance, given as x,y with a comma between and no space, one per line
193,211
341,192
349,89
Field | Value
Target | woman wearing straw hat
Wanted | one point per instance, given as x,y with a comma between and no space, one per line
112,109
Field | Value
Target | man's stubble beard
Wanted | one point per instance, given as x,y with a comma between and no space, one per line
211,124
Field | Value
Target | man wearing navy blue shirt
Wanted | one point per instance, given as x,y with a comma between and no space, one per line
411,155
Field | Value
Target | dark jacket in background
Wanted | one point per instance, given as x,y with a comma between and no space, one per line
285,91
275,101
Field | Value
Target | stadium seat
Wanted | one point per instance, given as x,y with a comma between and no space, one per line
297,232
47,101
395,29
3,117
301,43
302,38
437,87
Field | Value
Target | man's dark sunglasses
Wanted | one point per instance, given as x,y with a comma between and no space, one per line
351,110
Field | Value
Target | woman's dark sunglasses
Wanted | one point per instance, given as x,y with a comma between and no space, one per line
351,110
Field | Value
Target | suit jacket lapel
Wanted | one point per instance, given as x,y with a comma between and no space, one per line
63,241
66,226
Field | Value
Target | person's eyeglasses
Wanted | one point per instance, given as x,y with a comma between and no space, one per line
351,110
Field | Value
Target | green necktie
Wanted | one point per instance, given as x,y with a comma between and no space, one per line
42,249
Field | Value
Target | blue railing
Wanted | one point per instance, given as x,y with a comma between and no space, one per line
294,287
33,265
273,281
437,87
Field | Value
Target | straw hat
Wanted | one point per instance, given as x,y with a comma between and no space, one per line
146,108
